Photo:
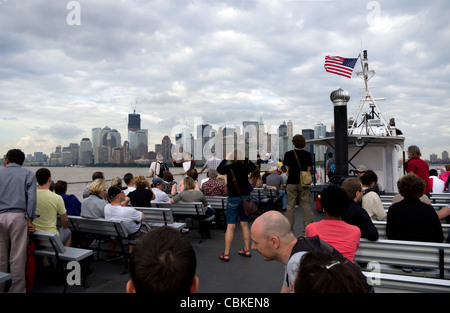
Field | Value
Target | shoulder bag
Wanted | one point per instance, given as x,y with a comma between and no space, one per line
249,206
305,176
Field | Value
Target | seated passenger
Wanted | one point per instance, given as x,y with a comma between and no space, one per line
143,195
160,195
371,201
93,206
163,262
333,230
275,181
133,220
322,273
71,202
412,219
355,214
190,193
214,187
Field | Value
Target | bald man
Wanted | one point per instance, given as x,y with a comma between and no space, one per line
274,240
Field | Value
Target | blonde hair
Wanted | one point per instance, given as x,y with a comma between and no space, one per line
117,181
189,183
414,152
97,186
141,182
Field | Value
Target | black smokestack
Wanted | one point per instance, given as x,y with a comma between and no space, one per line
340,98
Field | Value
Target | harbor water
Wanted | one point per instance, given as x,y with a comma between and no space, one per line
78,178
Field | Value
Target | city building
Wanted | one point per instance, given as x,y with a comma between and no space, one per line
320,131
86,155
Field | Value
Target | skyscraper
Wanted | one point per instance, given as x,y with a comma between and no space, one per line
134,121
137,137
320,131
290,128
309,134
86,155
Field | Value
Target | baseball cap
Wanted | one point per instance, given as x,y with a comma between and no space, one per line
361,169
159,181
115,190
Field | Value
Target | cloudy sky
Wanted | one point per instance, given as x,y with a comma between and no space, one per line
69,66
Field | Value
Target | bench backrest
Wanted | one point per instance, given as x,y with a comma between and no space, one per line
48,241
381,227
157,215
403,283
183,208
189,208
98,226
217,203
258,192
405,253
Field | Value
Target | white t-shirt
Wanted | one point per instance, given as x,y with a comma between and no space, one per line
438,185
128,190
160,196
129,216
291,269
186,165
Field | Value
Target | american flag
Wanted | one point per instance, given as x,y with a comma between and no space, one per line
339,65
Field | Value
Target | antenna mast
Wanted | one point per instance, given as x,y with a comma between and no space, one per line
373,123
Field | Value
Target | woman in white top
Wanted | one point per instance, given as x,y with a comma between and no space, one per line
371,201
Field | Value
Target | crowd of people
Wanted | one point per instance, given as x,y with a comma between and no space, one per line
164,261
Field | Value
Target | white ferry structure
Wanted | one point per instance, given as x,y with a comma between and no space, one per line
373,141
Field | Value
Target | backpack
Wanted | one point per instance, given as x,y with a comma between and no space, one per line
315,244
163,167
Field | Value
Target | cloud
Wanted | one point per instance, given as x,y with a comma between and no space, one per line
60,131
223,61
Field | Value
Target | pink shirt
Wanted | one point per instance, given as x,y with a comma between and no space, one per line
342,236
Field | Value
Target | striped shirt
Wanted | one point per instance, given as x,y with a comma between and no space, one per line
212,163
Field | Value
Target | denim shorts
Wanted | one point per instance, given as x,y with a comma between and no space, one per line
235,211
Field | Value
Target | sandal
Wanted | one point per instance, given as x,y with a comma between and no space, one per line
245,253
224,257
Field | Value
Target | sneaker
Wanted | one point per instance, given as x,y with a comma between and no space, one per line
184,230
407,269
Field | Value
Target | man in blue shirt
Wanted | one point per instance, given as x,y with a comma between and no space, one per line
17,209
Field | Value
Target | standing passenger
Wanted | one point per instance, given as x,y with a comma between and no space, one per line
241,168
293,188
17,208
419,167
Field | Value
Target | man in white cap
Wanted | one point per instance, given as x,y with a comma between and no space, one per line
360,170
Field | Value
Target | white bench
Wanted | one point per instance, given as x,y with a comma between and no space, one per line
267,197
4,277
193,210
157,217
260,193
388,283
381,227
50,245
391,255
102,229
219,204
436,206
